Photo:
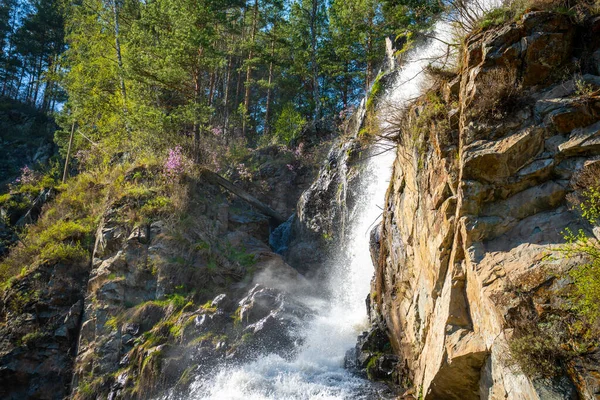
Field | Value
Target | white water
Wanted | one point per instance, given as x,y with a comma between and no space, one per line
317,372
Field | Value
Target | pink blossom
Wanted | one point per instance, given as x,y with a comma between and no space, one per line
28,176
299,152
244,172
217,131
176,163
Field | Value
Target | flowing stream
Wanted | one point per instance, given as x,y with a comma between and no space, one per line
317,371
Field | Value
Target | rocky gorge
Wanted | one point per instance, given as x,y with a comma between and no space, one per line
182,282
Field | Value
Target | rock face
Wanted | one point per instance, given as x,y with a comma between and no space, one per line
134,327
38,345
161,301
324,208
470,219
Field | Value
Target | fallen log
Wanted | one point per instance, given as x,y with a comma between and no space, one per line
241,193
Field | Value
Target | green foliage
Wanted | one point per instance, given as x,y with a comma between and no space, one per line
495,17
65,230
156,206
14,203
408,16
241,256
288,126
112,323
586,277
375,92
62,252
583,89
178,300
32,338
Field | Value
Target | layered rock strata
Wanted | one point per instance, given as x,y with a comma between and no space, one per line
477,203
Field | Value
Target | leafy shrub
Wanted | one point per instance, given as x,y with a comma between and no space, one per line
32,338
586,276
540,347
496,16
541,344
63,252
289,125
156,206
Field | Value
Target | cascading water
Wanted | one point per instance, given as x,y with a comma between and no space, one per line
316,370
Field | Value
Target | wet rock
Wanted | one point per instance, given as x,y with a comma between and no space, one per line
373,358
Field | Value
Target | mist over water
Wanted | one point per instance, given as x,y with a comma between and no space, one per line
316,371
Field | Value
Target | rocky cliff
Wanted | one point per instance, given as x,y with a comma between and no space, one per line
477,202
132,285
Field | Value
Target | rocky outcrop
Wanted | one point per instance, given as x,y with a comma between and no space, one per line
44,309
168,294
147,325
476,205
323,210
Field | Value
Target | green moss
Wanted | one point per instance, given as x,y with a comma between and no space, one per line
209,307
201,246
209,336
186,377
178,300
247,337
237,316
112,323
175,330
375,92
371,365
241,256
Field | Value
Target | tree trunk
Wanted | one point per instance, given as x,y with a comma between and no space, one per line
18,89
115,12
267,130
254,202
315,67
369,77
346,85
66,171
38,76
49,89
226,98
249,67
211,84
196,126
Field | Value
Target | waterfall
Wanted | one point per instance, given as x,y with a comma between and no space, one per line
316,371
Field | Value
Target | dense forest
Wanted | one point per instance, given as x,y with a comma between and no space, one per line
197,73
